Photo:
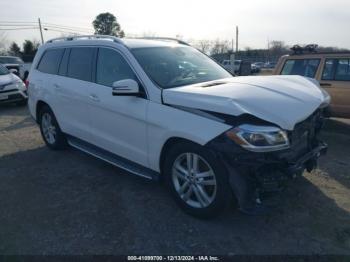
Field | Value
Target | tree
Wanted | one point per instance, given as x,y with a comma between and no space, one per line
106,24
29,49
14,49
220,47
203,45
278,48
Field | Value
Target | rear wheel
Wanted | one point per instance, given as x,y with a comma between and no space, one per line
197,180
50,130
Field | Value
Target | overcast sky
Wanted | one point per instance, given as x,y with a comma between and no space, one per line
325,22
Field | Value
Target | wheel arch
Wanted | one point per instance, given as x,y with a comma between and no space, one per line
167,146
39,105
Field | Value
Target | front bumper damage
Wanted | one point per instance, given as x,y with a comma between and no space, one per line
252,174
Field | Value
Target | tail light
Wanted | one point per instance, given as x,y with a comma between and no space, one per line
26,82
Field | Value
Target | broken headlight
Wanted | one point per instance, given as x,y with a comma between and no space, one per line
259,138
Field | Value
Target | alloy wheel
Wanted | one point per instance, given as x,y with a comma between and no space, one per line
49,129
194,180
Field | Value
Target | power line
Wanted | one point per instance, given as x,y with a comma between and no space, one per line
68,28
16,22
52,25
12,25
71,27
19,28
61,31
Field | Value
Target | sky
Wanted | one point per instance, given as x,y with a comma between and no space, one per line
325,22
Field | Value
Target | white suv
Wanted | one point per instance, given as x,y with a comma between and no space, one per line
12,88
163,110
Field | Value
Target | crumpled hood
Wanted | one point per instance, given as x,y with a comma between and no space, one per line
283,100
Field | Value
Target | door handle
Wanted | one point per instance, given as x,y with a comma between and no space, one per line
94,97
56,86
326,84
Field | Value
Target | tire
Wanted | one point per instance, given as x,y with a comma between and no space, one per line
52,134
217,197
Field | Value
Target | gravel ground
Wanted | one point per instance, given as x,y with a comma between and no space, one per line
70,203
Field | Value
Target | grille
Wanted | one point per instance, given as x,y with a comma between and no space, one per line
303,135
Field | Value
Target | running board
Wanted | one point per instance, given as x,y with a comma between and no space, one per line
113,159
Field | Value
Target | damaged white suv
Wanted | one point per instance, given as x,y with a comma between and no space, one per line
163,110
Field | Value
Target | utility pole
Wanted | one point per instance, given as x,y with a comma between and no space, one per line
236,39
41,31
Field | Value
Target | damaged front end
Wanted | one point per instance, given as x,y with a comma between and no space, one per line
253,171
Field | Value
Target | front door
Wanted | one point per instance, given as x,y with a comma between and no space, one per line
118,122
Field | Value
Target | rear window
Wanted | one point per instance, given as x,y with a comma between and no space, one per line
10,60
303,67
336,69
50,61
80,63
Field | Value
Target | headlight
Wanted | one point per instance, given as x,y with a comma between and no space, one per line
259,138
17,83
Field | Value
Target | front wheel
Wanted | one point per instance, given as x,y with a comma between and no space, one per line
197,180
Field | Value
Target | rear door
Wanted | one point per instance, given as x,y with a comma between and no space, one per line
118,122
71,86
335,79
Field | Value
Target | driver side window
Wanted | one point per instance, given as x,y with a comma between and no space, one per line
111,67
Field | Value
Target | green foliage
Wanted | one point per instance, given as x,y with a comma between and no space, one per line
14,49
29,50
30,47
106,24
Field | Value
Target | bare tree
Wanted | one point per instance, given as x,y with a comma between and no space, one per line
220,47
277,48
203,45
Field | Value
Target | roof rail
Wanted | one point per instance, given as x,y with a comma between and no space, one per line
71,38
165,39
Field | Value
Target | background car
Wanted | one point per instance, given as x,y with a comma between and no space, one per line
12,88
255,68
270,65
330,69
227,65
16,63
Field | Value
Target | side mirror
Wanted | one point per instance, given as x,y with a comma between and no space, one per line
126,87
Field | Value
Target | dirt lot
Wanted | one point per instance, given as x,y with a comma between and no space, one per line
70,203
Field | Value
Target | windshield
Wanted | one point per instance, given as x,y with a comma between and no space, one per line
3,70
10,60
177,66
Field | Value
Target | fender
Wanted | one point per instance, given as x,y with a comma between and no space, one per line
165,122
